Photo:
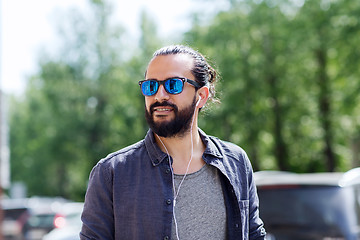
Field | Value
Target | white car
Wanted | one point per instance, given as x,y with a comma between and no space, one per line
69,224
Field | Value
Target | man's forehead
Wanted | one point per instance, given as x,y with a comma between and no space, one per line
177,63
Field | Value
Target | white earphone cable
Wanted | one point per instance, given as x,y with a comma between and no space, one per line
176,193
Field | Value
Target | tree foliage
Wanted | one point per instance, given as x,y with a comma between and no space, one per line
289,90
81,106
284,79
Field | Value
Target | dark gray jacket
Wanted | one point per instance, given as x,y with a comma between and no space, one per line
130,194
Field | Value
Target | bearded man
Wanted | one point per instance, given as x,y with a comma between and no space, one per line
178,182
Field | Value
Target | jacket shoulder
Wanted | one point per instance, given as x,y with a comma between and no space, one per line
122,155
232,152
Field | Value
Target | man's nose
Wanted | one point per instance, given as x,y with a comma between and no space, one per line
161,94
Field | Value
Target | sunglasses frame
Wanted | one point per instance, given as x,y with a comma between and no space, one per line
162,82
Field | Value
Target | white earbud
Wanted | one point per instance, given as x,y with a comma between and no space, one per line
198,101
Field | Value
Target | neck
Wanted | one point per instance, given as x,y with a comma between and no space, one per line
179,145
183,149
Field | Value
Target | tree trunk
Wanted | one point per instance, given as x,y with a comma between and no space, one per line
280,147
355,147
325,109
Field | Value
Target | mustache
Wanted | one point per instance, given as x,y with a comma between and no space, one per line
162,104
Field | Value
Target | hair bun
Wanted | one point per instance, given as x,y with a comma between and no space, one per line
212,74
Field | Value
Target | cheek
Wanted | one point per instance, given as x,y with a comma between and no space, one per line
147,103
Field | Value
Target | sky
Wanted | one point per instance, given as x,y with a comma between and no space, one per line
28,26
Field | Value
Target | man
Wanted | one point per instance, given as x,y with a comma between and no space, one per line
177,183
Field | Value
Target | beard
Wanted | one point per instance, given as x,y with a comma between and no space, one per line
175,127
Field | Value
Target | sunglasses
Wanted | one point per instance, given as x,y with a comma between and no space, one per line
174,85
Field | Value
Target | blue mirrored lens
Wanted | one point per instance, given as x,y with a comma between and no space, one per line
149,88
174,86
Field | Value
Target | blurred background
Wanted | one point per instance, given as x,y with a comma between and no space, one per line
289,83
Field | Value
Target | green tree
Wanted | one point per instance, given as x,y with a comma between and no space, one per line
326,26
284,78
288,85
83,104
248,47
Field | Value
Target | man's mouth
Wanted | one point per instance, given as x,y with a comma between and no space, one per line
162,111
162,108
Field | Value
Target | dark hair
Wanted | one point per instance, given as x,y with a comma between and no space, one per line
204,74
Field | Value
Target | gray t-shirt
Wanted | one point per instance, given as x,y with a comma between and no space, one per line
200,208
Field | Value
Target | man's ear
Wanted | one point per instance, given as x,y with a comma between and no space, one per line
204,94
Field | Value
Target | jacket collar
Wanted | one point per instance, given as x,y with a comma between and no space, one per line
157,156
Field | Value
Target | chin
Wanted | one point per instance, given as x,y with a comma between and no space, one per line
162,118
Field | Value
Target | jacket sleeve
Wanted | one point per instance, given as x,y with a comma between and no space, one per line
256,226
98,216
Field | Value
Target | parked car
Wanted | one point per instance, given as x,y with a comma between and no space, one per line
15,214
71,224
323,206
31,218
46,214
